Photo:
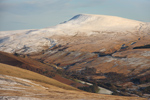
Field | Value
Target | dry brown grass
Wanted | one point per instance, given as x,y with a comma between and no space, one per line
52,90
10,59
26,74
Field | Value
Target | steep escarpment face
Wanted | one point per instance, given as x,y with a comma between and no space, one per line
96,46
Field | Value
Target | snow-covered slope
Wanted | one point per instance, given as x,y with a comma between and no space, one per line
27,41
88,23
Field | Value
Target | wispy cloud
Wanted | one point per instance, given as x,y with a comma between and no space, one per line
39,6
30,6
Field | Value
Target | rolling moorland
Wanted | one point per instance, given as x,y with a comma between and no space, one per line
107,51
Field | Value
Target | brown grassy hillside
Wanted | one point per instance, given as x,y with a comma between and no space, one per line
36,66
26,74
39,87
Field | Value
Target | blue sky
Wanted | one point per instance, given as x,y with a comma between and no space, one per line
36,14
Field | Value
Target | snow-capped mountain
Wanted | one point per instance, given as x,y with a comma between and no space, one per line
102,26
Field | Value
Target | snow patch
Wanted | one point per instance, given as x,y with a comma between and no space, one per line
17,98
135,61
146,53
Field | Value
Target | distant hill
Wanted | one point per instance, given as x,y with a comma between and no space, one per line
104,28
